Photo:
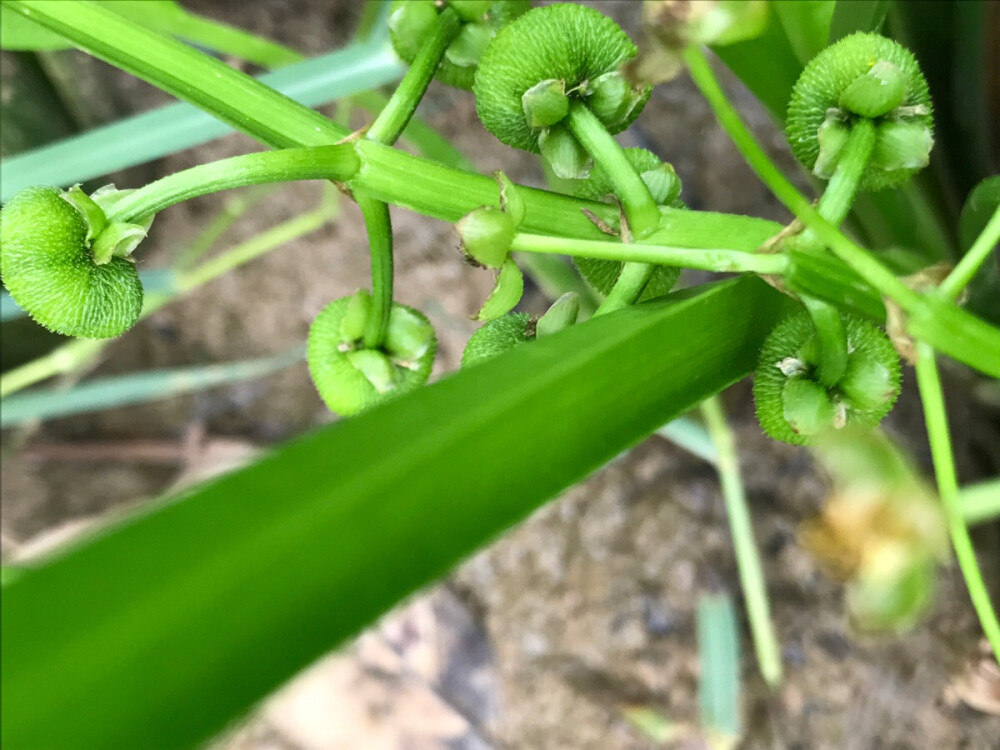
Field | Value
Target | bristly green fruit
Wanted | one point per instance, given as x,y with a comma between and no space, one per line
791,404
572,44
665,187
412,21
350,378
48,266
497,337
862,76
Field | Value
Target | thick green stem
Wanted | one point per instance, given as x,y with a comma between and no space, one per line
628,287
748,562
640,209
967,267
832,340
392,120
836,201
338,163
722,261
376,216
936,419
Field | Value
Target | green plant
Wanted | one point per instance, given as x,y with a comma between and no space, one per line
175,633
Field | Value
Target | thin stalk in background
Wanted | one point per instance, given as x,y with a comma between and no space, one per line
967,267
748,562
936,418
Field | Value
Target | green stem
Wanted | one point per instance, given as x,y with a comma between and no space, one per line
722,261
967,267
748,561
376,216
320,163
936,419
62,359
392,120
836,201
640,209
980,502
627,288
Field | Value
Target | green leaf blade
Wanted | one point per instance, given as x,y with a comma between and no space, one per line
175,623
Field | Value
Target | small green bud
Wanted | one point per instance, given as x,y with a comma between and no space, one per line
409,336
876,93
117,240
469,45
868,384
355,320
411,23
569,160
663,183
486,234
496,337
901,145
506,293
833,135
511,201
471,10
545,103
93,216
562,314
612,99
807,407
376,368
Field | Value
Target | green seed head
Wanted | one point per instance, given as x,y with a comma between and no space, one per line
497,337
862,76
791,404
350,378
48,267
412,21
569,43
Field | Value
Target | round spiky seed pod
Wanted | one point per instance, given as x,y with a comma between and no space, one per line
576,46
48,267
350,378
497,337
664,186
793,407
411,22
863,75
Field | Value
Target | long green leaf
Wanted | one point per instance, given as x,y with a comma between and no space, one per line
719,654
161,631
850,16
175,127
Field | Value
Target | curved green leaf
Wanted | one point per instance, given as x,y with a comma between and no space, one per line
167,627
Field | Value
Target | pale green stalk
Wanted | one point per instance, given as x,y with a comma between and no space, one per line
748,562
936,419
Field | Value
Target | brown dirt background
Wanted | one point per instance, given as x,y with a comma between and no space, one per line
540,640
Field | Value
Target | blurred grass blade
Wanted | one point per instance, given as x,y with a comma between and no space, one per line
766,64
806,24
719,657
175,127
136,388
850,16
170,626
165,16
